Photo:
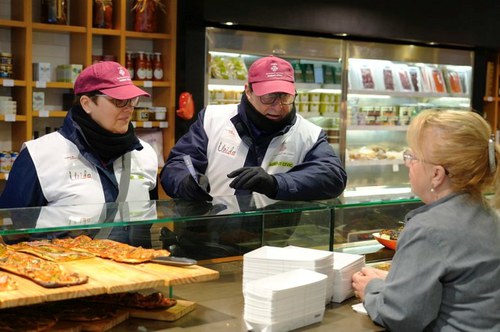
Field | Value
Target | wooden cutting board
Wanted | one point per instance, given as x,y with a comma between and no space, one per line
179,310
105,276
178,275
104,324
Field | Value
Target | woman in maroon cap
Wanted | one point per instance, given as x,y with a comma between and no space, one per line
95,157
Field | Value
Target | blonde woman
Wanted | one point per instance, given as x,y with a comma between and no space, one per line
445,274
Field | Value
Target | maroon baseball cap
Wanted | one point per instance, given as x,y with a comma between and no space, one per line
271,74
110,78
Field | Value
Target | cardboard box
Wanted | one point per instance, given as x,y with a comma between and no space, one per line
68,73
41,71
38,101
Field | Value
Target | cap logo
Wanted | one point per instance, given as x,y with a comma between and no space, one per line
122,73
274,66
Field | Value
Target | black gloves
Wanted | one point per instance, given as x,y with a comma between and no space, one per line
192,191
254,179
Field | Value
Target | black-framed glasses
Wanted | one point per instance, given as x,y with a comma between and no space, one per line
270,98
121,103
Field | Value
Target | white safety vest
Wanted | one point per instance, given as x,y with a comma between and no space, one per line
67,178
226,151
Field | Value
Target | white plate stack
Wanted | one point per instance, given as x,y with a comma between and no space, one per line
285,301
344,266
267,261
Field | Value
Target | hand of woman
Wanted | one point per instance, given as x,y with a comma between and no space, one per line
362,278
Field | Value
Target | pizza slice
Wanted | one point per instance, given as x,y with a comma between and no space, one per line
45,273
51,252
105,248
7,283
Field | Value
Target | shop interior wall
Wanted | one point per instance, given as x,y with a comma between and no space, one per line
460,24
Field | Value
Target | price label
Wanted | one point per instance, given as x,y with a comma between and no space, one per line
43,114
395,167
134,124
10,117
41,84
148,84
163,124
147,124
8,82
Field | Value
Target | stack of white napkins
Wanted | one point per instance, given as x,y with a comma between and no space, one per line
284,301
267,261
344,266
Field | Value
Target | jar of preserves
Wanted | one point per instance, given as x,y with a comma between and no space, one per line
146,14
55,11
140,66
157,66
103,14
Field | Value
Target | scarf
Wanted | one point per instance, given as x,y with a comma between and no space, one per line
263,123
108,146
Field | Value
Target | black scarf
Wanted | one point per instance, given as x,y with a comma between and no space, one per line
263,123
107,145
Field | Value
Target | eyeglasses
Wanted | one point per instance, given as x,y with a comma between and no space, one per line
270,98
408,157
121,103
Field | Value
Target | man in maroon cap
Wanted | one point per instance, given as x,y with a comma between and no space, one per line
260,145
95,157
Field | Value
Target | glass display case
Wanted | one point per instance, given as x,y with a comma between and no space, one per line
387,86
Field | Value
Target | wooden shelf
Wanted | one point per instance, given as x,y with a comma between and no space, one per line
81,42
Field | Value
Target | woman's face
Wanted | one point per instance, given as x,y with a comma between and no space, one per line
420,174
107,114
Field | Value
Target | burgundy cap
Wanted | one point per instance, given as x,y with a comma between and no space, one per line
271,74
110,78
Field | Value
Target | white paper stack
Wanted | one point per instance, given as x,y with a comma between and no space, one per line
267,261
344,266
285,301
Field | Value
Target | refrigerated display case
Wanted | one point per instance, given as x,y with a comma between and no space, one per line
387,86
363,94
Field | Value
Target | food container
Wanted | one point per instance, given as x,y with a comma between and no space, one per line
141,114
160,113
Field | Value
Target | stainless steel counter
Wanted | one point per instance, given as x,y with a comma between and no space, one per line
220,308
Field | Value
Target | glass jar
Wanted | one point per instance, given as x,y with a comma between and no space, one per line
103,14
157,66
55,11
145,18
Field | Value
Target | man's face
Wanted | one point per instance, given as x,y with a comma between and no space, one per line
274,106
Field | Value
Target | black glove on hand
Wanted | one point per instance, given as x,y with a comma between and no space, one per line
254,179
192,191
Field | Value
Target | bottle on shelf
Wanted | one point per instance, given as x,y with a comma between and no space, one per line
103,14
55,11
140,66
157,66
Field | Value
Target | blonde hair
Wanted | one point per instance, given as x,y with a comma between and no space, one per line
460,143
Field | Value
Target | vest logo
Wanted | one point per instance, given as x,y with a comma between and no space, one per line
226,149
281,164
83,174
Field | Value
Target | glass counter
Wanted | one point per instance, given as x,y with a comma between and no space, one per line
226,227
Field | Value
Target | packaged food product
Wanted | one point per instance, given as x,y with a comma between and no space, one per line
103,14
